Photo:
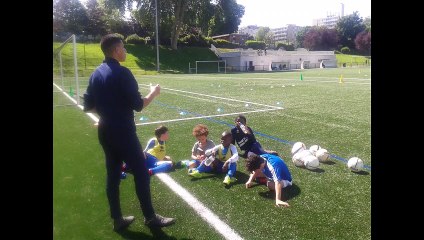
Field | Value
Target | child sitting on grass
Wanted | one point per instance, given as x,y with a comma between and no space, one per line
225,155
200,132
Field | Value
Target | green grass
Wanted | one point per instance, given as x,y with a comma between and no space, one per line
352,60
140,58
332,203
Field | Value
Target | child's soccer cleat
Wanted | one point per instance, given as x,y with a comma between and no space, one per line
183,163
195,173
228,180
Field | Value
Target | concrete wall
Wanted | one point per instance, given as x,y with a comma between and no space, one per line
239,61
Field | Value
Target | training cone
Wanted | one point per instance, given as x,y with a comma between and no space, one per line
301,77
341,79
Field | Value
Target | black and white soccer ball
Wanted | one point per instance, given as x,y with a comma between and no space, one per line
355,164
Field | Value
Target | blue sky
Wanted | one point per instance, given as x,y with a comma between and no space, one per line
278,13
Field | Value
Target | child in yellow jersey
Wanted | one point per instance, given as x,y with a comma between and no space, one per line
155,153
157,146
157,161
226,157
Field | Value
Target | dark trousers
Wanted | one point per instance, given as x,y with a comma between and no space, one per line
123,145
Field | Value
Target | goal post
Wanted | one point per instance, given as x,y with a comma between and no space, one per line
65,73
216,66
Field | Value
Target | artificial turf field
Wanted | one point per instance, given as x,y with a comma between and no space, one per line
329,107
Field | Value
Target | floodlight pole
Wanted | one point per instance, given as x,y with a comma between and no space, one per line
157,36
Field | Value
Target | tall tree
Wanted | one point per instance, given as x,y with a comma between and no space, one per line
320,39
233,13
363,42
227,17
347,28
367,23
69,16
300,36
96,19
177,16
262,33
178,23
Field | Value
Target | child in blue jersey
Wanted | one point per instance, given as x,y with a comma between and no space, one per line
246,140
155,165
200,132
226,157
275,169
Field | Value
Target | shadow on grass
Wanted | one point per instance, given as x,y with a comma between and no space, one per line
329,162
241,179
204,176
157,233
287,194
362,172
317,170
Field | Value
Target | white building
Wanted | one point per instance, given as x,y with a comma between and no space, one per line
286,34
271,60
330,21
251,30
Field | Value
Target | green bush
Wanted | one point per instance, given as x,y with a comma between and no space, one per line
192,40
210,41
287,47
255,44
120,36
345,50
222,43
135,39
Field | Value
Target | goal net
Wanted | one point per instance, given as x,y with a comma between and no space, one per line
218,66
66,90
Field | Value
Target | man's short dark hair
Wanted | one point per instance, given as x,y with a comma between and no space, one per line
242,118
108,43
253,162
160,130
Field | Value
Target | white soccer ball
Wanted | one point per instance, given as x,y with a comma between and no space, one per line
298,158
355,164
311,162
297,147
314,149
322,155
297,161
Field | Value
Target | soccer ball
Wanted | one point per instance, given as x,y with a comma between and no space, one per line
299,157
314,149
322,155
355,164
297,147
311,162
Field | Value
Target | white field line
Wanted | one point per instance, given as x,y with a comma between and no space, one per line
209,116
92,116
257,78
213,220
289,84
206,95
203,99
